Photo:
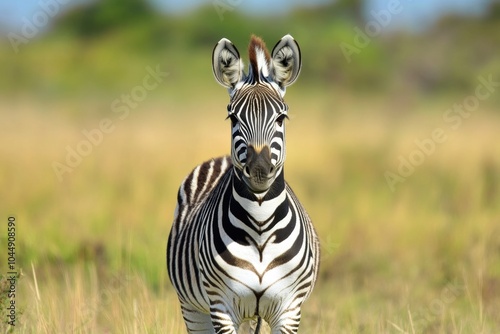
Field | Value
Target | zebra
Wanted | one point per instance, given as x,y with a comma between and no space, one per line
242,247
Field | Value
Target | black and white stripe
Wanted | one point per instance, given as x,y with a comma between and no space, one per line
242,247
257,116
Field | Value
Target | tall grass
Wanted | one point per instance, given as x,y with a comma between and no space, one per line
424,258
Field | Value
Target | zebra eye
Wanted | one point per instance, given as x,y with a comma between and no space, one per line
233,119
280,119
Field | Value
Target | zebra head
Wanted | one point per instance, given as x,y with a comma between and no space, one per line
256,108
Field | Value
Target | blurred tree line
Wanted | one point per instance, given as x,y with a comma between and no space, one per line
87,47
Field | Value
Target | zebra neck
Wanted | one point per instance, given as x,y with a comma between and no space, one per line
259,210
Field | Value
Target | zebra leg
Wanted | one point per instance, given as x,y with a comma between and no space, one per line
196,321
288,323
223,322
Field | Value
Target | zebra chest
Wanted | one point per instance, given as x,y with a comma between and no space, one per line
256,271
256,258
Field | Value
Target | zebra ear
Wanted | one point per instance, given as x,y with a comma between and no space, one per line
286,61
226,63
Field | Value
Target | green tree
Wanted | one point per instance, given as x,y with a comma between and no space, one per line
98,17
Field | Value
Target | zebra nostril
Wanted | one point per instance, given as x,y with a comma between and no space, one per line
271,170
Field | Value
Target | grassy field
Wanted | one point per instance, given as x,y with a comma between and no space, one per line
422,257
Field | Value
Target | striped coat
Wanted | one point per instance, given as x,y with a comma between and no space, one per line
242,247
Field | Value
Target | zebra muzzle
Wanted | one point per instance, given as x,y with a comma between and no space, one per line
259,171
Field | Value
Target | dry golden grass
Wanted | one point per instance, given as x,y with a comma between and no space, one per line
424,258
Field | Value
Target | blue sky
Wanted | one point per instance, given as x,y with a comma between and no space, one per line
415,14
251,6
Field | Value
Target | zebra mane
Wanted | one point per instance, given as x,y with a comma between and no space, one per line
259,57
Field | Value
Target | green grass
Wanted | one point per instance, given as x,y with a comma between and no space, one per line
422,259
